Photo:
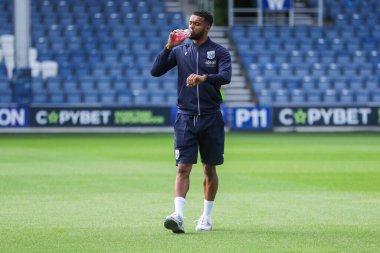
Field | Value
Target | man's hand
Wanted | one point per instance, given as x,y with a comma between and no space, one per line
195,79
171,43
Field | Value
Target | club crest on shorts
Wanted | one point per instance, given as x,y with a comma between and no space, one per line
210,55
176,153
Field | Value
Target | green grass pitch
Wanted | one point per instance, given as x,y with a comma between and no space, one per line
110,193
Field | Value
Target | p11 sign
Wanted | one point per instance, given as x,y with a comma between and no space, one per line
251,118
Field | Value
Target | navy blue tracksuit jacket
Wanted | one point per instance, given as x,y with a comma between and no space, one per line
209,58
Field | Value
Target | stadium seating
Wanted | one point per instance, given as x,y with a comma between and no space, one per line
336,64
95,52
102,53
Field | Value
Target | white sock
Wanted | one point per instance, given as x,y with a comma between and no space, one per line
179,204
207,208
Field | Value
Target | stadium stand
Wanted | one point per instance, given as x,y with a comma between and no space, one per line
94,53
102,53
336,64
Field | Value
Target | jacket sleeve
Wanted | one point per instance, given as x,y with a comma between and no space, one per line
164,62
224,69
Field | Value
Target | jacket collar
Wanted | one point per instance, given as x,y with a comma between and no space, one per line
208,41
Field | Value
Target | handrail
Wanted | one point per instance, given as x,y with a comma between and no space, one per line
260,13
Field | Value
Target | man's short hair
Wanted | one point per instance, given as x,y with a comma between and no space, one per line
206,15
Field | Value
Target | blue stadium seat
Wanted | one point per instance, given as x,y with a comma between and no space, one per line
56,97
153,84
307,83
376,96
265,97
171,98
372,83
82,70
300,70
350,71
285,71
297,97
4,84
340,83
136,84
86,84
363,97
158,98
104,84
141,97
366,71
124,98
73,97
292,83
5,97
40,98
323,83
107,97
120,84
317,70
69,85
314,96
346,97
169,84
330,96
90,97
281,96
99,70
259,84
275,84
311,57
53,84
38,84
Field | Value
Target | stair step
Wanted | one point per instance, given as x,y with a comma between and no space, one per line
234,85
221,40
220,28
238,91
239,103
237,78
238,97
218,33
173,6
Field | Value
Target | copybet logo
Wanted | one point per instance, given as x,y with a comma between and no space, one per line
325,116
53,117
73,117
300,117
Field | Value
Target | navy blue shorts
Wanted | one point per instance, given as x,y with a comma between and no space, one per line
205,132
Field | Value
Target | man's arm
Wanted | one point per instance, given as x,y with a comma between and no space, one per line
166,59
224,65
163,63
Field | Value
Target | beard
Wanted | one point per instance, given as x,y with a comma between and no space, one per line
197,36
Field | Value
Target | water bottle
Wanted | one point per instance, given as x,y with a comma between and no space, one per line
180,36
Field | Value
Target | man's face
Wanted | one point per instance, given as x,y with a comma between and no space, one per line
198,27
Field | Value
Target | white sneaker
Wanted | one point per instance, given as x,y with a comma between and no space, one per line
204,224
174,222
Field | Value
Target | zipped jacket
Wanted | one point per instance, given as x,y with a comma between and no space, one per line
209,58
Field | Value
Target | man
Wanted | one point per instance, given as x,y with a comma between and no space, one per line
203,67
